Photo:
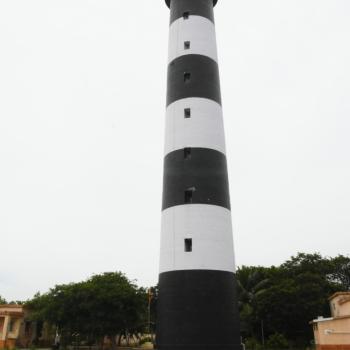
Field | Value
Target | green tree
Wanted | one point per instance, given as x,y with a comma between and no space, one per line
2,300
277,341
340,273
251,281
299,292
107,304
287,297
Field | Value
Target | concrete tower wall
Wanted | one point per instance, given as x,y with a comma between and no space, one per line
204,128
197,306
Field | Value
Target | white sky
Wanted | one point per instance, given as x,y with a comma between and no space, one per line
82,100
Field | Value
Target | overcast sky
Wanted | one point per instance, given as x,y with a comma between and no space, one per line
82,101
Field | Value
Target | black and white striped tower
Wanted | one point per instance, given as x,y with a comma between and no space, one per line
197,307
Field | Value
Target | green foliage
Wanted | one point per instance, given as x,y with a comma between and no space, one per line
277,302
252,281
106,304
2,300
16,302
277,341
287,297
253,344
146,340
340,271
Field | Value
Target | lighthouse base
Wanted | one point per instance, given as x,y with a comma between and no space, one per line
197,310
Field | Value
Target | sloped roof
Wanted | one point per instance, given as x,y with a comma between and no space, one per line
345,294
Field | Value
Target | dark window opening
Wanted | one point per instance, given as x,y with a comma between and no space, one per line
186,15
188,245
187,153
187,77
27,328
187,45
187,112
189,195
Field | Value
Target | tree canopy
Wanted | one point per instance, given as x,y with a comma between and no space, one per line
284,299
106,304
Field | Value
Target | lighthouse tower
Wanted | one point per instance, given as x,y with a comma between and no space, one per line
197,307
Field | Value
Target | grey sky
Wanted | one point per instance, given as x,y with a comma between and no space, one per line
82,101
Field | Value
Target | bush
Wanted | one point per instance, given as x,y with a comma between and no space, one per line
146,340
252,344
277,341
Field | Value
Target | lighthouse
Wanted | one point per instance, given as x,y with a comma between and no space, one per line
197,305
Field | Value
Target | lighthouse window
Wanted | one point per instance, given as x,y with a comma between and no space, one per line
186,15
189,195
187,77
187,112
188,245
187,45
187,153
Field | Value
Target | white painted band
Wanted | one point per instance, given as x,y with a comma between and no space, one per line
204,128
210,229
198,31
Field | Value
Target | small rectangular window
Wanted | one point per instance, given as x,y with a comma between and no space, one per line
186,15
187,153
187,77
187,45
188,245
189,195
187,112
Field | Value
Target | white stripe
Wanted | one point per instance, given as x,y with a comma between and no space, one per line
210,228
203,129
197,30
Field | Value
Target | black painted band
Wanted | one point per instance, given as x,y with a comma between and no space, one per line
202,8
202,171
202,78
197,309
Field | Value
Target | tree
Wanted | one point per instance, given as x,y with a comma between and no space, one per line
312,263
341,272
277,341
251,281
2,300
290,303
287,297
107,304
118,304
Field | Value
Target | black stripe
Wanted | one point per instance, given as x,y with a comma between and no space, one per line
197,310
203,81
194,7
205,170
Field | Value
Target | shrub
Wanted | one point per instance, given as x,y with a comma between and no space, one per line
277,341
253,344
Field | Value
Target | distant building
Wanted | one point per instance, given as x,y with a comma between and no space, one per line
15,330
11,317
333,333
